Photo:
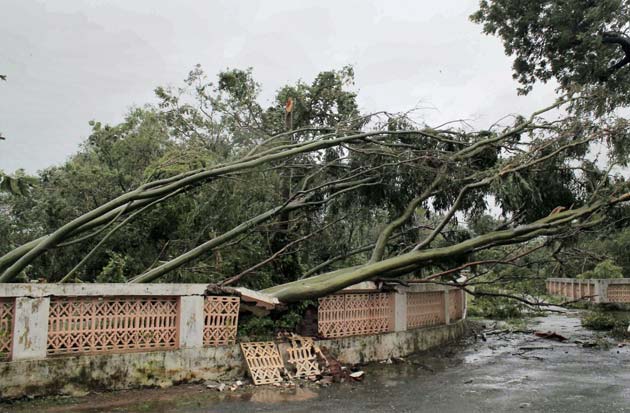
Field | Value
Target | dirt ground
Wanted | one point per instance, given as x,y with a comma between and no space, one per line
506,372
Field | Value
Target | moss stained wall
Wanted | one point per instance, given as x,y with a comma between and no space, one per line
76,374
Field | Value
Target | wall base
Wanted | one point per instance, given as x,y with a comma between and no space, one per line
73,375
363,349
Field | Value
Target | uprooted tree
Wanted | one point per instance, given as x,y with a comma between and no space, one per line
304,199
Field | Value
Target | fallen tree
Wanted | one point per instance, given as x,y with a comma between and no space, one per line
406,186
324,284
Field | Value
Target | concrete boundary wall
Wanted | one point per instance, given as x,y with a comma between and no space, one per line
64,319
69,375
57,338
611,290
43,320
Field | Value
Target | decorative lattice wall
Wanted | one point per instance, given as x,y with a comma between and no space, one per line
425,309
7,308
619,293
455,305
220,321
588,290
572,289
344,315
111,324
553,287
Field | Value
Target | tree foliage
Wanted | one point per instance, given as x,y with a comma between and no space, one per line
584,45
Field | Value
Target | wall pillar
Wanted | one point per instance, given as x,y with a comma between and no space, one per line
191,321
400,311
447,315
601,291
30,328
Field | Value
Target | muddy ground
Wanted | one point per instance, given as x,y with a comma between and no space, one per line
506,372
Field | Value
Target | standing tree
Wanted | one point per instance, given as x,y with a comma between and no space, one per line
584,45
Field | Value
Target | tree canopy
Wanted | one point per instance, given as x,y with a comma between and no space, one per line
584,45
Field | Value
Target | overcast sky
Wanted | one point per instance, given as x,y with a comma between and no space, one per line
68,62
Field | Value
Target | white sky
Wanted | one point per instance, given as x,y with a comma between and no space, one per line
69,62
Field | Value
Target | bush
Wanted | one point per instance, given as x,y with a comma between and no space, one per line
599,320
114,271
605,269
616,324
266,328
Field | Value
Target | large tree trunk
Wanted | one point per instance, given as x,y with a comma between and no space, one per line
331,282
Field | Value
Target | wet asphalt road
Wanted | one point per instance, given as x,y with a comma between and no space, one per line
508,372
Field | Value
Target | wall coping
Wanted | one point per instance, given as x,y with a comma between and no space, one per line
573,280
38,290
428,287
370,287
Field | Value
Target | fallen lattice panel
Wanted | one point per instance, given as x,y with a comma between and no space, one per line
343,315
7,306
221,320
263,362
302,354
110,324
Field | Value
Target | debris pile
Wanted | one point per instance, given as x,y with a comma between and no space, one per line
218,386
303,353
550,335
307,361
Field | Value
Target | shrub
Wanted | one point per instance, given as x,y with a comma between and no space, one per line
599,320
605,269
500,308
615,323
265,328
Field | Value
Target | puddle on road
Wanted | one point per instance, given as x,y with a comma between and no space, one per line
272,395
165,400
494,347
